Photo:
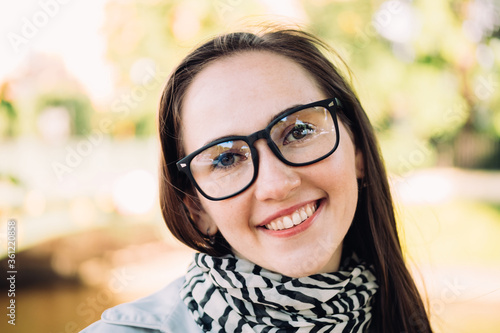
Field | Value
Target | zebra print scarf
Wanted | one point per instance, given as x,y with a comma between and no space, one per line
228,294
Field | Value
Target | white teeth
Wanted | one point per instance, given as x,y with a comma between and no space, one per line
280,225
296,218
287,222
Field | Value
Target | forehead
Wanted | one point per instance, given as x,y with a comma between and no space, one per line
239,94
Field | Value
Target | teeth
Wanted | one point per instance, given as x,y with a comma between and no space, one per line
287,222
280,225
296,218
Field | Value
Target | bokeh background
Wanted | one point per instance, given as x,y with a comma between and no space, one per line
79,89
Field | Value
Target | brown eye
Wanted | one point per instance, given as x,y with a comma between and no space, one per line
298,132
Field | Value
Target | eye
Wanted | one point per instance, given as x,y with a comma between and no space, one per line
299,132
227,160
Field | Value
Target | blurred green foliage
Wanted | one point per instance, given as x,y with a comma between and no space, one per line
8,114
426,71
78,106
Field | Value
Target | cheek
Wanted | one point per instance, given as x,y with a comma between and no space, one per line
338,170
228,215
336,176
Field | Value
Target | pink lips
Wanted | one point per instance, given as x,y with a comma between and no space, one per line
296,228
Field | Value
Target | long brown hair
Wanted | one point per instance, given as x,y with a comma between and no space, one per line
373,233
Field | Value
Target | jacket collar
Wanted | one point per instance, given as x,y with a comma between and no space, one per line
164,311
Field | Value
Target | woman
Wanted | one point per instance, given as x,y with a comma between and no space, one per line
271,171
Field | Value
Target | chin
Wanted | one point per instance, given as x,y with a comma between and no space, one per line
306,267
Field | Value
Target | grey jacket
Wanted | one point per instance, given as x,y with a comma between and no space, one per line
163,311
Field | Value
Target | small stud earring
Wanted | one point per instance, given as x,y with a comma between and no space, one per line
362,183
211,238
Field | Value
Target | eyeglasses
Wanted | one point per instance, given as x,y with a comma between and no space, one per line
300,136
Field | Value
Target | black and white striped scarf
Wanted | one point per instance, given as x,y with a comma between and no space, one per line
229,294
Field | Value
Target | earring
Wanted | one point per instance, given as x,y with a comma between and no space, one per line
211,238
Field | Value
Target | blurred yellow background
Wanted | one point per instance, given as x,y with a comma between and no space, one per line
79,88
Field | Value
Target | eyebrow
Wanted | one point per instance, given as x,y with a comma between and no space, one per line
273,118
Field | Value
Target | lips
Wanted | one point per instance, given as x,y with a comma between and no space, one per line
293,219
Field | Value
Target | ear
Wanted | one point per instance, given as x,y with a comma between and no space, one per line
360,164
202,221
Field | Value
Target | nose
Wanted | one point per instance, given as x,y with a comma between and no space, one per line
276,180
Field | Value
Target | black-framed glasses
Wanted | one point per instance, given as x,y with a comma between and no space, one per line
300,136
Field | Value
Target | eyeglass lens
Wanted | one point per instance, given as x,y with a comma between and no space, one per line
301,137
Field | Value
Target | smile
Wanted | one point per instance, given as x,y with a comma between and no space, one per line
296,218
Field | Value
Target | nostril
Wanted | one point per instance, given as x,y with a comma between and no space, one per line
276,185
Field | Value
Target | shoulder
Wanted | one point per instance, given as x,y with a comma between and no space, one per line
163,311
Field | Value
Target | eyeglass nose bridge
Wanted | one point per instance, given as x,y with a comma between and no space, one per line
263,134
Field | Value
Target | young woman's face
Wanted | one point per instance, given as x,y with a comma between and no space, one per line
239,95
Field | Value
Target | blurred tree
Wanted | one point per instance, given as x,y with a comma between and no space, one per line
8,113
147,38
42,82
426,71
78,107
